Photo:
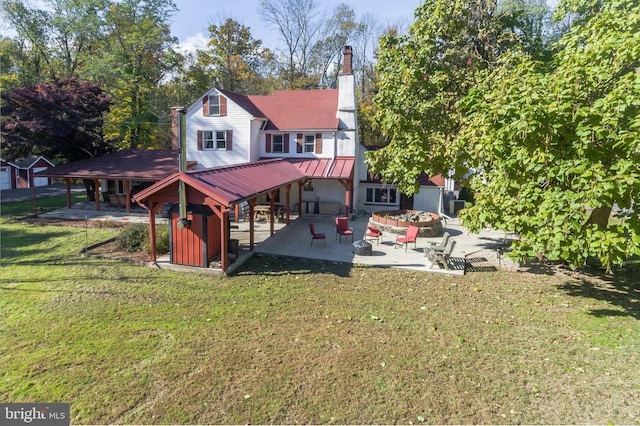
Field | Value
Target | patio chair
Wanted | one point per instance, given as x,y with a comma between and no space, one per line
373,233
435,256
342,228
410,237
316,235
438,246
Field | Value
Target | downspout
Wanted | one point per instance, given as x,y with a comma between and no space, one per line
183,222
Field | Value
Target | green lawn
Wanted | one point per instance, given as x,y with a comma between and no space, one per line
309,342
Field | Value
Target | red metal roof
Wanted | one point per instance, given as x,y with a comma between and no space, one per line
329,168
231,184
134,164
425,180
299,109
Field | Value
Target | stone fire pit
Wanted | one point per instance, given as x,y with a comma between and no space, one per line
398,221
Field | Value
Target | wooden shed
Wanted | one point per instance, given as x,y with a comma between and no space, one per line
211,194
8,175
28,169
21,173
198,244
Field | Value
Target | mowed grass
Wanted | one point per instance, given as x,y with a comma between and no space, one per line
288,341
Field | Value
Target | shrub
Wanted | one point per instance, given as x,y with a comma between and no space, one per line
162,240
133,237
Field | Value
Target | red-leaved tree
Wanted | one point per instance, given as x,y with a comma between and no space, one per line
60,120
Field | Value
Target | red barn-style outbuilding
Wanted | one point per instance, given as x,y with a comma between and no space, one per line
211,194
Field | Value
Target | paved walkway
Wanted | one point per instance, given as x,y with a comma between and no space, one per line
294,241
25,194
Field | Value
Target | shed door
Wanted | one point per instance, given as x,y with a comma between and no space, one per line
5,178
40,181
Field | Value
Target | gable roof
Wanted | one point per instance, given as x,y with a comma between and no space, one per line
426,180
28,162
299,109
231,184
296,110
138,164
243,102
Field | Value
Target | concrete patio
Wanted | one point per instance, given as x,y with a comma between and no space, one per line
294,241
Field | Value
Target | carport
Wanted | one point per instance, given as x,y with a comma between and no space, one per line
220,190
126,166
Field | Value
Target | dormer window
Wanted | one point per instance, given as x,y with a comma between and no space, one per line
214,105
277,143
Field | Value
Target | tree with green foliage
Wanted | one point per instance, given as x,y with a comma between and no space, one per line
61,121
421,77
557,144
59,37
234,58
136,56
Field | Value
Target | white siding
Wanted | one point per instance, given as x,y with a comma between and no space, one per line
237,120
256,137
327,146
428,199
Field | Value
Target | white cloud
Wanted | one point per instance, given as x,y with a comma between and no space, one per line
192,43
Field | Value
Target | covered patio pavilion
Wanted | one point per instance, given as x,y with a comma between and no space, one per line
130,165
222,189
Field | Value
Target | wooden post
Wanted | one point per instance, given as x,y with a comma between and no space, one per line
224,256
127,195
67,182
348,195
252,204
272,196
287,190
300,183
96,192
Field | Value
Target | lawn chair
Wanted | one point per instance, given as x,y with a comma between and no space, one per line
342,228
435,256
438,246
316,235
373,233
410,237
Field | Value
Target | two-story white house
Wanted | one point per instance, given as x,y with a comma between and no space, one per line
316,130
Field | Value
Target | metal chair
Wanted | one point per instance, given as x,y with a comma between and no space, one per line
410,237
342,228
373,233
316,235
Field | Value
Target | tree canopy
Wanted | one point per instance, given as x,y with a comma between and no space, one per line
553,136
558,144
421,77
61,120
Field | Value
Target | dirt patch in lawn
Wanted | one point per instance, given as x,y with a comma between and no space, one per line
110,250
37,220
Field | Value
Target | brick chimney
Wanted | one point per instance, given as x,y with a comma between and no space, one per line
174,127
347,68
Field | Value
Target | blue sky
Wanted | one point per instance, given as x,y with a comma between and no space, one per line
191,22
